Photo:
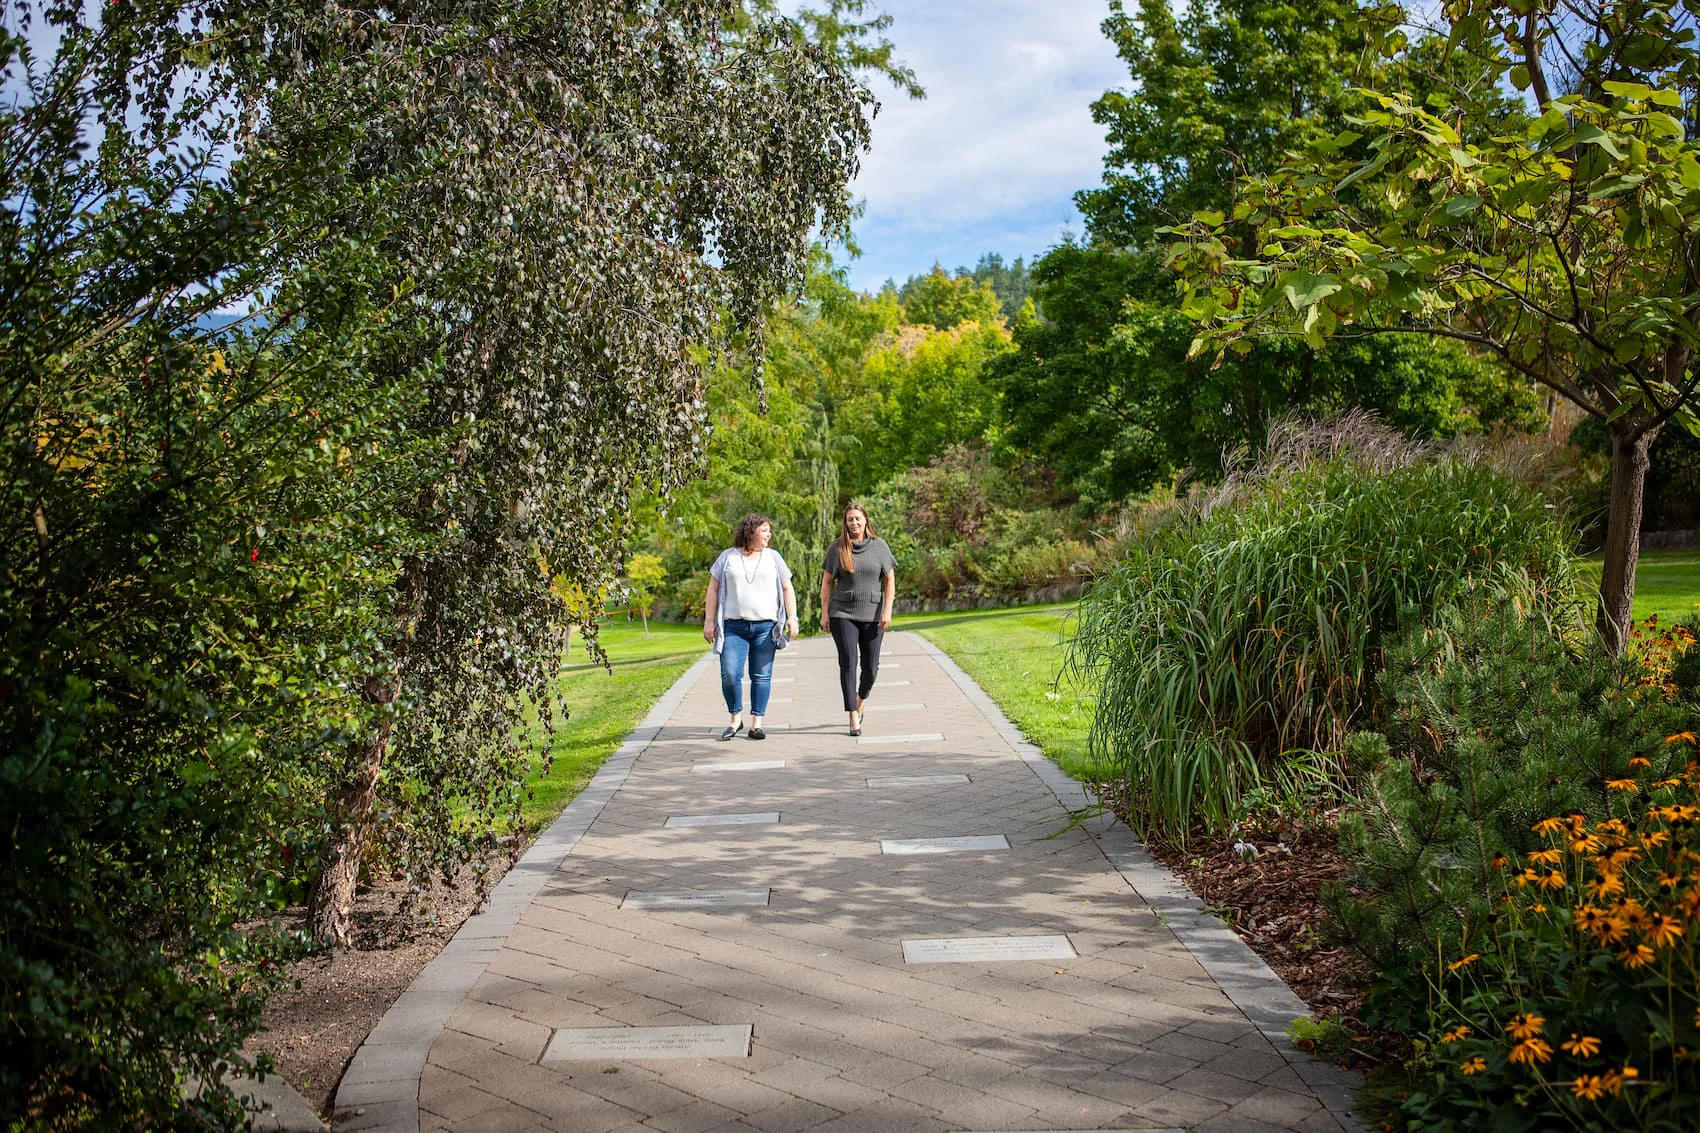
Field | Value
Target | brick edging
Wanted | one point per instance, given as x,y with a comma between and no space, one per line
380,1088
1249,983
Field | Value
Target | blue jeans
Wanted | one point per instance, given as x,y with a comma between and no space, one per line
752,642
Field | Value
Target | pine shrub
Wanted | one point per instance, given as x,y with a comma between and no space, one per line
1494,719
1578,1004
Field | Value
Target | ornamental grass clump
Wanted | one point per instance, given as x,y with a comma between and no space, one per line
1578,1005
1249,627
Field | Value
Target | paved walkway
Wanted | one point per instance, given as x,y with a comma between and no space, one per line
807,967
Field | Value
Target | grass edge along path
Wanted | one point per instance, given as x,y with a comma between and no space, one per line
604,706
1015,653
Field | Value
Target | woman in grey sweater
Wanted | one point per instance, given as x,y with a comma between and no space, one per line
858,582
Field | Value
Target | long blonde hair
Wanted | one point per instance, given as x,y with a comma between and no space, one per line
842,544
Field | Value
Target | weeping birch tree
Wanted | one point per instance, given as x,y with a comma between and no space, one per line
586,203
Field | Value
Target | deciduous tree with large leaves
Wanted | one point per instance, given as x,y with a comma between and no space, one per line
1101,385
1564,239
1218,93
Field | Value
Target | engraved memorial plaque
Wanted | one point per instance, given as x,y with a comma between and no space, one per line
745,765
907,738
943,845
761,818
916,780
695,899
982,949
639,1044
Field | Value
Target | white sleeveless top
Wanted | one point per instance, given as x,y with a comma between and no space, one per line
751,593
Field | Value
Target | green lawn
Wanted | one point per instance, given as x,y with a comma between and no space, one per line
1667,583
1016,655
607,704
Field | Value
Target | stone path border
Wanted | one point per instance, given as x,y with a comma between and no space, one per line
380,1089
1249,983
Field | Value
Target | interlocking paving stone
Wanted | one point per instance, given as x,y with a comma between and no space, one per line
959,845
754,818
916,780
845,1034
980,949
696,899
643,1044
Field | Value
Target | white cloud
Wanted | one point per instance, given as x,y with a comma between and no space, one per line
1004,136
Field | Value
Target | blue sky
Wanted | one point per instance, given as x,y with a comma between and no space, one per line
990,159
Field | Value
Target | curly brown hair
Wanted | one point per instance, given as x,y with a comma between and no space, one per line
745,536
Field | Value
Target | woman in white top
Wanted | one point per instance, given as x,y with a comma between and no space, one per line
749,587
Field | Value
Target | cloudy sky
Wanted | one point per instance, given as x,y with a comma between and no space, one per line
990,159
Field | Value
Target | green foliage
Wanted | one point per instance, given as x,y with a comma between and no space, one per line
1673,482
201,559
1219,93
1594,938
312,557
1012,283
777,448
922,393
645,575
1248,625
1324,1037
1545,237
1492,722
941,301
1497,713
579,250
965,528
1102,389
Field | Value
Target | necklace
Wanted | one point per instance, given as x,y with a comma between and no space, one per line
750,575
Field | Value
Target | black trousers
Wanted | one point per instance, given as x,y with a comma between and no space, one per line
857,640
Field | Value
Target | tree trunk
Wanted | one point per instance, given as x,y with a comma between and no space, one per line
333,897
1629,445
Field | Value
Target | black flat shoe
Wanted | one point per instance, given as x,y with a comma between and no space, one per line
757,734
732,730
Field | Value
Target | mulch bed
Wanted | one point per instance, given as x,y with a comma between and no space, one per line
1274,902
313,1030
